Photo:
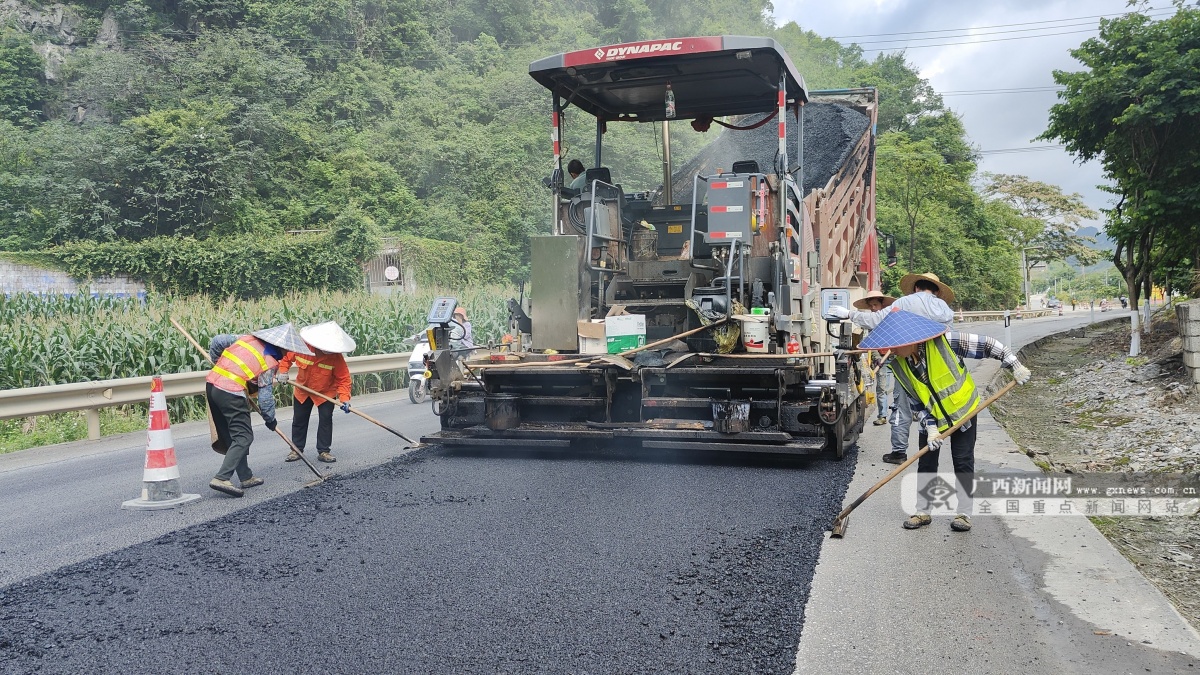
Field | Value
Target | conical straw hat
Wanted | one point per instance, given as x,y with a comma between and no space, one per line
285,337
328,337
900,328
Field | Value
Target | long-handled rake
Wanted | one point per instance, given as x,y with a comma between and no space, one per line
842,520
321,477
355,411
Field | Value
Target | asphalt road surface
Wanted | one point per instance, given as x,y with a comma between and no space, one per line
438,561
430,562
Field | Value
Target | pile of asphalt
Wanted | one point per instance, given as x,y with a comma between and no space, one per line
439,562
830,132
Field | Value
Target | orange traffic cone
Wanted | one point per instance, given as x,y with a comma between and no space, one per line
160,479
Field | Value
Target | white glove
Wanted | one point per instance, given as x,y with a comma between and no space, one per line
1021,374
838,312
283,377
933,441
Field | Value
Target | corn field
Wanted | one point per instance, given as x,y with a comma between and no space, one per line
63,339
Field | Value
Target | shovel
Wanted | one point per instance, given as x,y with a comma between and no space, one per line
253,406
842,520
356,411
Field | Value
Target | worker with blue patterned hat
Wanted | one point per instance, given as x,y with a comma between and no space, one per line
928,366
242,366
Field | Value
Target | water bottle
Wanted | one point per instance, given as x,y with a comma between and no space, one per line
793,345
670,103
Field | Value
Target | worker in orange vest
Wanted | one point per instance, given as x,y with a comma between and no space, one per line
326,372
242,366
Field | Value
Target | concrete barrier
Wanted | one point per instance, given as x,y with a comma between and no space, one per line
1188,316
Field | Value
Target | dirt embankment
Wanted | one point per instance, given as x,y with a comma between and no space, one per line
1092,408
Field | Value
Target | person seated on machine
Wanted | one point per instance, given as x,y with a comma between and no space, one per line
578,176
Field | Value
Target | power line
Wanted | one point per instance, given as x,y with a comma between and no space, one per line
975,42
1002,25
967,33
1032,148
1014,90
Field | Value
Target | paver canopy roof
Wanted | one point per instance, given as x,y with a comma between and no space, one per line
709,76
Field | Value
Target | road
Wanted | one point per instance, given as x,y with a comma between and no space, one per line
1027,595
432,561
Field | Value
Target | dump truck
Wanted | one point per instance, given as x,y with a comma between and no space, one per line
686,315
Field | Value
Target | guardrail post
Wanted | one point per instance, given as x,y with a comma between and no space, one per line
93,423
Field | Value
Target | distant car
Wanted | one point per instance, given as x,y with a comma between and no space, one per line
1053,303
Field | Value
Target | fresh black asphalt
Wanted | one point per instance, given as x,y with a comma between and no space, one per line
441,562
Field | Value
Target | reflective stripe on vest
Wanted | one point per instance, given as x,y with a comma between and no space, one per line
950,394
230,356
305,362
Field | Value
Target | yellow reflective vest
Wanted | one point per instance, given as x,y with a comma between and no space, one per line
947,391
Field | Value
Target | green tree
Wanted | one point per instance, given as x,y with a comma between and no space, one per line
905,97
915,182
21,90
1049,219
1136,109
188,172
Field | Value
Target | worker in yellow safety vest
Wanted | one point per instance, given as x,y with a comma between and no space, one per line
242,366
928,366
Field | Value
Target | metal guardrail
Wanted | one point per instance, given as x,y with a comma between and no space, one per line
92,396
999,314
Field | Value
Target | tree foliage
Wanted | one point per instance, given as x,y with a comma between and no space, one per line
1136,109
1049,219
217,122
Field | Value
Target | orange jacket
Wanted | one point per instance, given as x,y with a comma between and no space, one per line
326,373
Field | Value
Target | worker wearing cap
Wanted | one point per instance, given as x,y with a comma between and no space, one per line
243,365
884,382
462,335
929,368
324,371
924,295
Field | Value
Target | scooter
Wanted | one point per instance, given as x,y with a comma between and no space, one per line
418,390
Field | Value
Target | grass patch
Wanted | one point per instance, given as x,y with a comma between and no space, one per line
32,432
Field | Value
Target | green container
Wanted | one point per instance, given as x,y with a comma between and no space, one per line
623,343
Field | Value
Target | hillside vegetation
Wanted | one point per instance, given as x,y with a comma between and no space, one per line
231,122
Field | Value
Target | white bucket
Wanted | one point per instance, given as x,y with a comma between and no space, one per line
756,331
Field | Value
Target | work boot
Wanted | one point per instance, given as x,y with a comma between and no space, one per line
880,421
226,487
327,458
919,520
961,523
292,456
895,457
253,481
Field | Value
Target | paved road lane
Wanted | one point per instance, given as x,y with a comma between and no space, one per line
1012,596
457,563
61,504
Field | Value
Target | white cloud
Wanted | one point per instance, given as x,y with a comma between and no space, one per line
991,59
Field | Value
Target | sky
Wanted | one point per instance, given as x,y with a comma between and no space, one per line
985,45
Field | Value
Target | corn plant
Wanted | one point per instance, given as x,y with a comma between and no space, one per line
48,340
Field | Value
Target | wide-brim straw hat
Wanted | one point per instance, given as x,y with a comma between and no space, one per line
285,337
909,281
328,337
862,304
900,328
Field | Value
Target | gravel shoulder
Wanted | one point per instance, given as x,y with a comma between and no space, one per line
1092,408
